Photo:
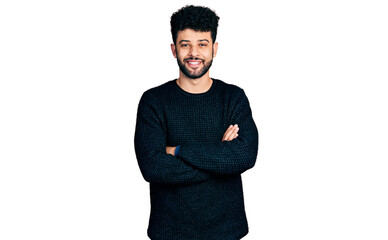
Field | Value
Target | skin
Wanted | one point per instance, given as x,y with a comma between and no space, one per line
195,50
194,44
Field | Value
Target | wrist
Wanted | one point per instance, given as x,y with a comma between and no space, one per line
176,152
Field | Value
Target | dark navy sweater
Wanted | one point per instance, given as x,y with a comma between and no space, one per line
197,195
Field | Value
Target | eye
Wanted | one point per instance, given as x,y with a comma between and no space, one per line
203,44
184,45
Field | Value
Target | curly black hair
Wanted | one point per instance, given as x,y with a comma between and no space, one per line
196,18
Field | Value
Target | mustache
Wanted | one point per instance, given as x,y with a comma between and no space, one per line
192,58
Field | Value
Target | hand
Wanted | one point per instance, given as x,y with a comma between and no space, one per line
231,133
170,150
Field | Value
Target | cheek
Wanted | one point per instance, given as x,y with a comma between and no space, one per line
181,53
208,54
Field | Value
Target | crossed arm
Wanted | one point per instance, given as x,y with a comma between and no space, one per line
197,161
230,134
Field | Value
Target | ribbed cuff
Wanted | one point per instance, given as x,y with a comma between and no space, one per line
177,150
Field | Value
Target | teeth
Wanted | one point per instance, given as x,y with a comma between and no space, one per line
194,63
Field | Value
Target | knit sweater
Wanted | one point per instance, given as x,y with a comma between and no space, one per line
197,195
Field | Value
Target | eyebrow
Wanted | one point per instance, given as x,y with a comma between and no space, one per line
200,40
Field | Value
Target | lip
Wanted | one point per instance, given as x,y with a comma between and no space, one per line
193,63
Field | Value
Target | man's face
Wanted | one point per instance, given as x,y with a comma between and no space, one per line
194,51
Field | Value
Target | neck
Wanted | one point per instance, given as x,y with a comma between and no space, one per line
197,85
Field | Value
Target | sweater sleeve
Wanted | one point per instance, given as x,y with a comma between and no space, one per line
155,164
228,157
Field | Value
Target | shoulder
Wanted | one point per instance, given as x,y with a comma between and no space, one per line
159,92
231,90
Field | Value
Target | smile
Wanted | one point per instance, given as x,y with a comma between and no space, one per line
193,63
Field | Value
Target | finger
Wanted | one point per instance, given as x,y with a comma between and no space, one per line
226,133
229,132
234,134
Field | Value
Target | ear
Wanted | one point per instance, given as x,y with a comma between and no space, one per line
173,49
215,48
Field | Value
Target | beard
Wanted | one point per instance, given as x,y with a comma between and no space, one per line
196,73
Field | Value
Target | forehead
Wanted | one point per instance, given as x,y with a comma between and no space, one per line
191,35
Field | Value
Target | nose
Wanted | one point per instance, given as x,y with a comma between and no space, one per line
194,51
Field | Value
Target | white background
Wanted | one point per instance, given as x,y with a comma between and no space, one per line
72,73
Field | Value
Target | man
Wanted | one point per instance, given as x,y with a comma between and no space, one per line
194,137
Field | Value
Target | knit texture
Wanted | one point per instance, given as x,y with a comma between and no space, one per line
198,195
